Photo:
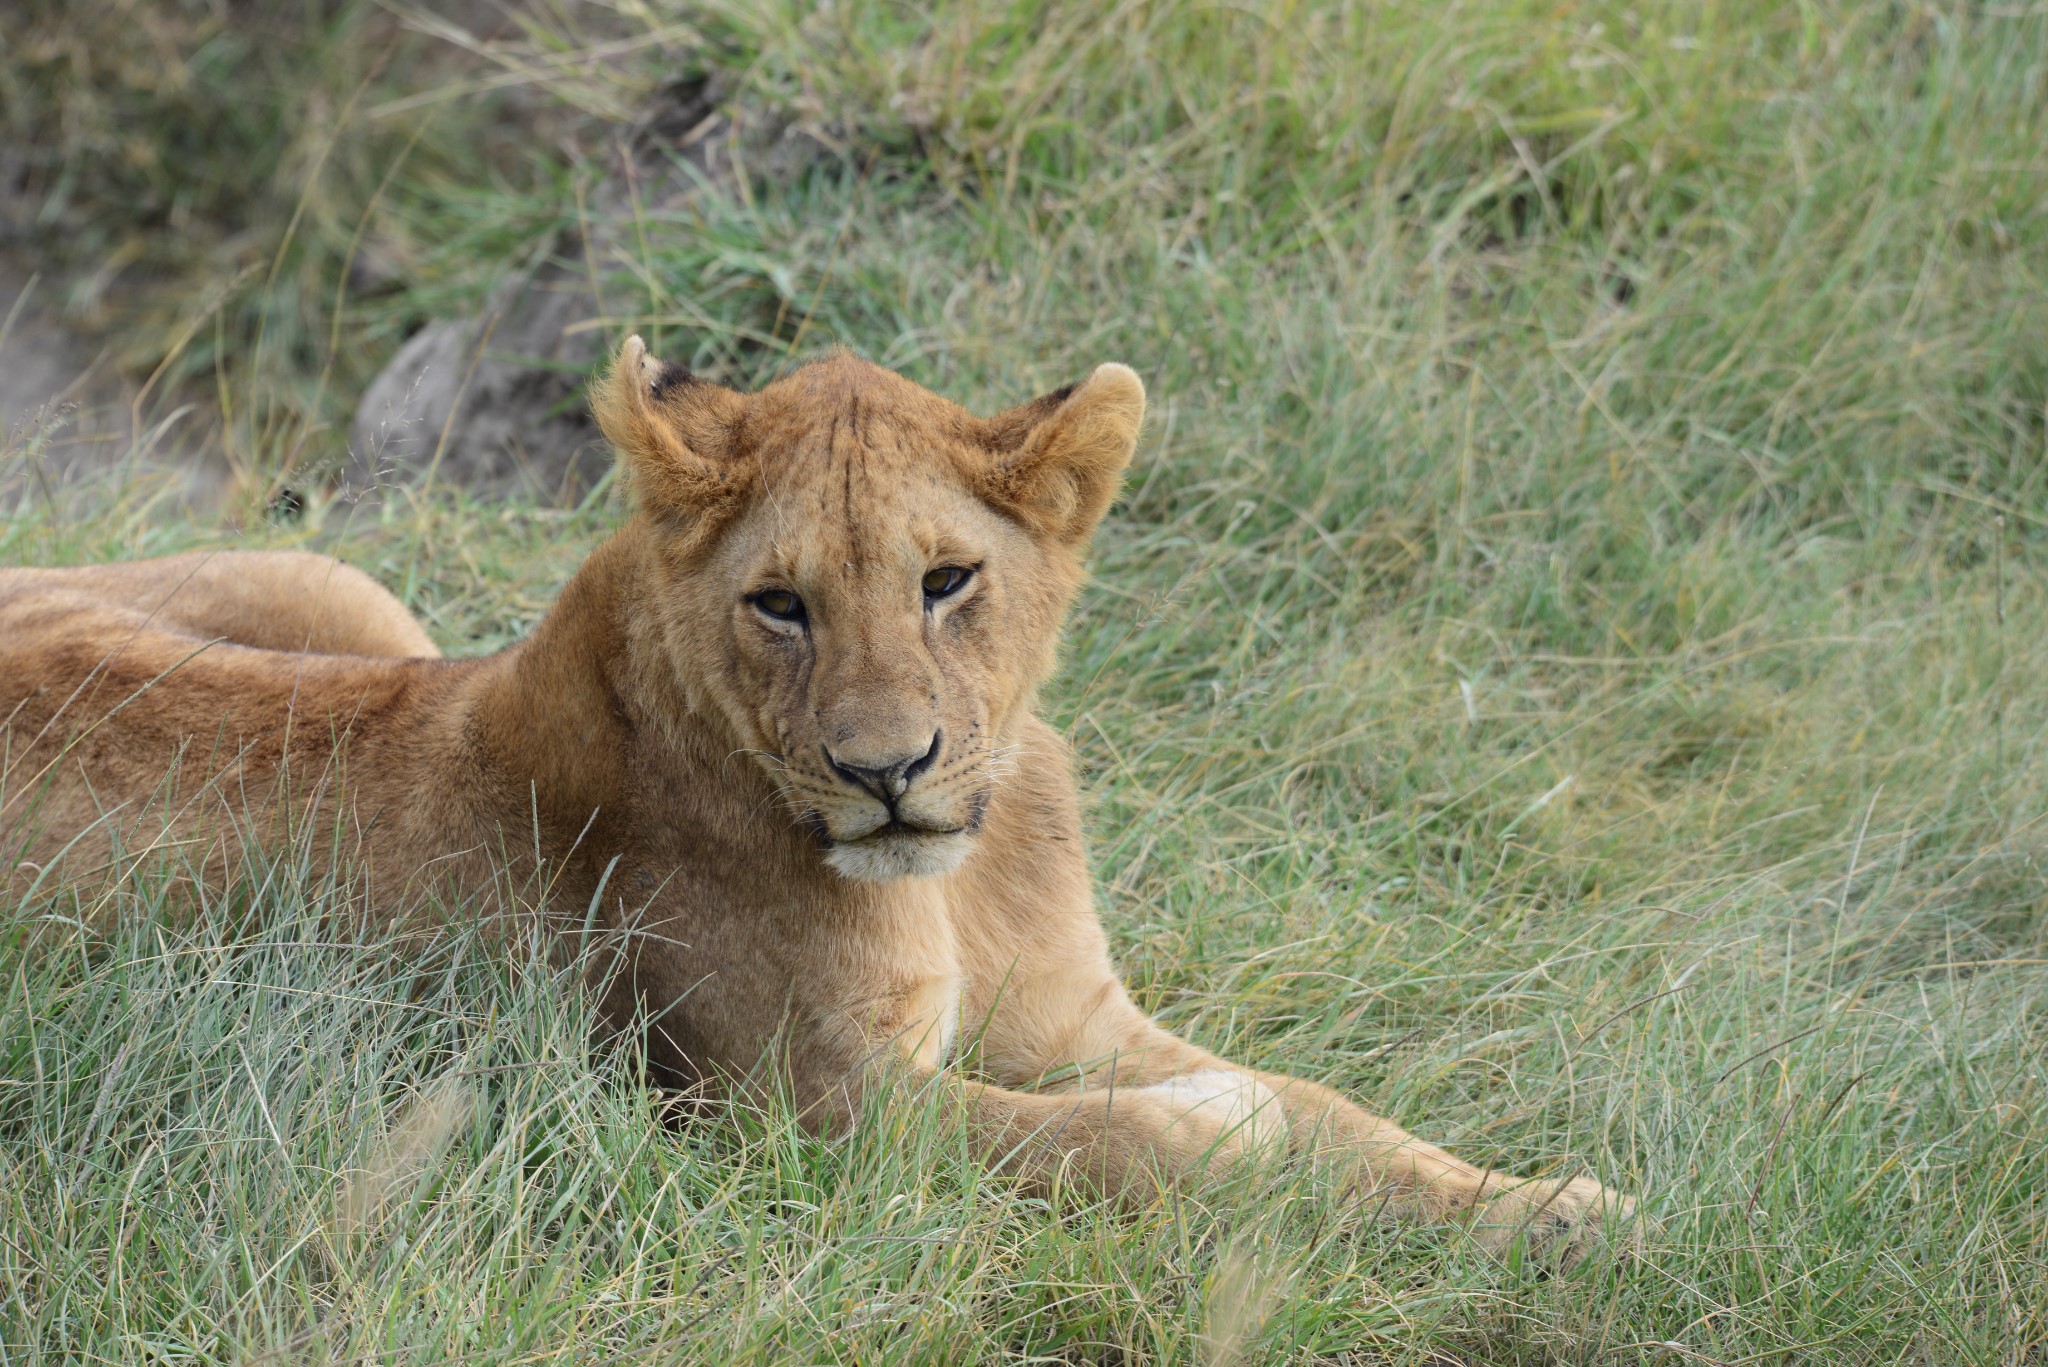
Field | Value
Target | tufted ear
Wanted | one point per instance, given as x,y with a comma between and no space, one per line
1060,459
674,430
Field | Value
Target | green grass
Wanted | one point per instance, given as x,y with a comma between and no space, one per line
1568,670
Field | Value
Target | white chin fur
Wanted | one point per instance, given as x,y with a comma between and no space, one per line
886,858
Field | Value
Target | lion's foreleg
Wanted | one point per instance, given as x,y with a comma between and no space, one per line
1106,1047
1125,1143
1379,1160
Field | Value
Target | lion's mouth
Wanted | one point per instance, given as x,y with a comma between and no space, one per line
896,845
900,849
901,827
895,828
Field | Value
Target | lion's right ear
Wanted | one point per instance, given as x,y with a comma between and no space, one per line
1060,459
674,430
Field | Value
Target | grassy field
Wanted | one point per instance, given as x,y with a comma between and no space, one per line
1569,669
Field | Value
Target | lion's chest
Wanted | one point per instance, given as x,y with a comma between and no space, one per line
930,1021
898,970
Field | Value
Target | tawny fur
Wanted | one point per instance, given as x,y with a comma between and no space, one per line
706,774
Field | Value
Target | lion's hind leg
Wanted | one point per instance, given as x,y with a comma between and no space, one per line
273,600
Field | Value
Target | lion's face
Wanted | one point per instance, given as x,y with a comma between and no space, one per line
878,633
866,583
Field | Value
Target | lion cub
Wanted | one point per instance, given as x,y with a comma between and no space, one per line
778,731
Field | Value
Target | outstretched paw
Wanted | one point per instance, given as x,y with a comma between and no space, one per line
1556,1222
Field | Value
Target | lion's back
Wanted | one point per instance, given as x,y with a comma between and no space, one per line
120,724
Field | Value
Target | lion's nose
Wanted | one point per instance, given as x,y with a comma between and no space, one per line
889,779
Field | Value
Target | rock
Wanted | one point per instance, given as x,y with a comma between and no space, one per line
68,422
495,400
491,399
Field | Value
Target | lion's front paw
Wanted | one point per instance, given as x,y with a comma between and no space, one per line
1559,1222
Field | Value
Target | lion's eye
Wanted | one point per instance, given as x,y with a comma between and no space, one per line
945,581
780,604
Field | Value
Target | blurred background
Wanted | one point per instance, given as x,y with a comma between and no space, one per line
313,229
1568,666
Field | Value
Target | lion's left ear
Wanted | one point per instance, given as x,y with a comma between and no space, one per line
674,430
1059,460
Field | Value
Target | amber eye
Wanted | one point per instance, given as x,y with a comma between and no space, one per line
780,604
943,582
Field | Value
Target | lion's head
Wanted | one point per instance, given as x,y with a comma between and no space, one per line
865,581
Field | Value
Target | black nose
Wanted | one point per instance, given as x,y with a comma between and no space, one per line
887,781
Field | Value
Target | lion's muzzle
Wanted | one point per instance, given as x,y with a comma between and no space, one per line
910,825
889,779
